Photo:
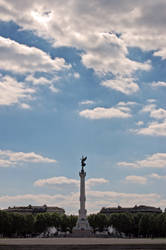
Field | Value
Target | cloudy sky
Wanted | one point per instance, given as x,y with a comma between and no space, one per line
82,78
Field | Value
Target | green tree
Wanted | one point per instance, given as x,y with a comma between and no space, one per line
145,225
18,224
102,220
135,225
113,220
63,222
55,220
72,219
122,222
5,224
92,219
162,225
41,223
29,224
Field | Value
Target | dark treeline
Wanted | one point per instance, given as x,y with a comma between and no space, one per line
131,224
135,225
15,224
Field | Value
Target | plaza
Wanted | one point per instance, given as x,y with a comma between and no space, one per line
81,243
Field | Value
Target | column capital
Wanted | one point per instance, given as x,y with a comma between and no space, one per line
82,173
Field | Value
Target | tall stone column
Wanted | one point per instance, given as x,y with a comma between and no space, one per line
82,222
82,211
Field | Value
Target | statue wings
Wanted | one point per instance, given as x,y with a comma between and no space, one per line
83,164
84,158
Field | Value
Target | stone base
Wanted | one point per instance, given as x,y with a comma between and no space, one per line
82,224
81,233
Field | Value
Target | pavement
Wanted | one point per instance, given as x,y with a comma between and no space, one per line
81,241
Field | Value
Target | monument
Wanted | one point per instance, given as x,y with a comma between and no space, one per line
82,227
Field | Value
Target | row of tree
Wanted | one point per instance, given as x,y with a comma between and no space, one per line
136,225
21,225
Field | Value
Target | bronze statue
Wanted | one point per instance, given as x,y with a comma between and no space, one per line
83,164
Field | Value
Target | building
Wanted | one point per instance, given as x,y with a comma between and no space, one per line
135,209
35,209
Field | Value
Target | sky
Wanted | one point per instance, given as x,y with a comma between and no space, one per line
82,78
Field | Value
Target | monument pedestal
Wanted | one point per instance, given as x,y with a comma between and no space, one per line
82,224
81,233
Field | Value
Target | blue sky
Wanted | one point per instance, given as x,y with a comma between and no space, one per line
80,78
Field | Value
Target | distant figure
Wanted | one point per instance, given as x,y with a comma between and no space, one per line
83,164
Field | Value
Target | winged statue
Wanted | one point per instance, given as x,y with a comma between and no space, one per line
83,164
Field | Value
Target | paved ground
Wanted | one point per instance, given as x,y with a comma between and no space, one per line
80,241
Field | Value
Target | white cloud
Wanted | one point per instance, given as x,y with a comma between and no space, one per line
38,199
95,200
151,100
154,112
102,49
43,81
153,129
124,85
114,52
126,164
87,102
157,176
5,163
20,58
25,106
159,84
53,89
157,160
136,179
161,53
140,123
12,91
126,103
98,199
9,158
125,106
37,81
135,21
121,195
105,113
76,75
149,108
158,113
61,180
95,181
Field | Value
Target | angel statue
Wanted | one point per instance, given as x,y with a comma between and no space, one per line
83,164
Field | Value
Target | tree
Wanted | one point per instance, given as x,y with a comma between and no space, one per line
135,225
18,224
122,222
29,224
98,221
145,225
92,219
41,223
72,219
162,224
55,220
63,222
5,224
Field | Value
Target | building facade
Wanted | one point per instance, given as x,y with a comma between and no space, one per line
135,209
35,209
